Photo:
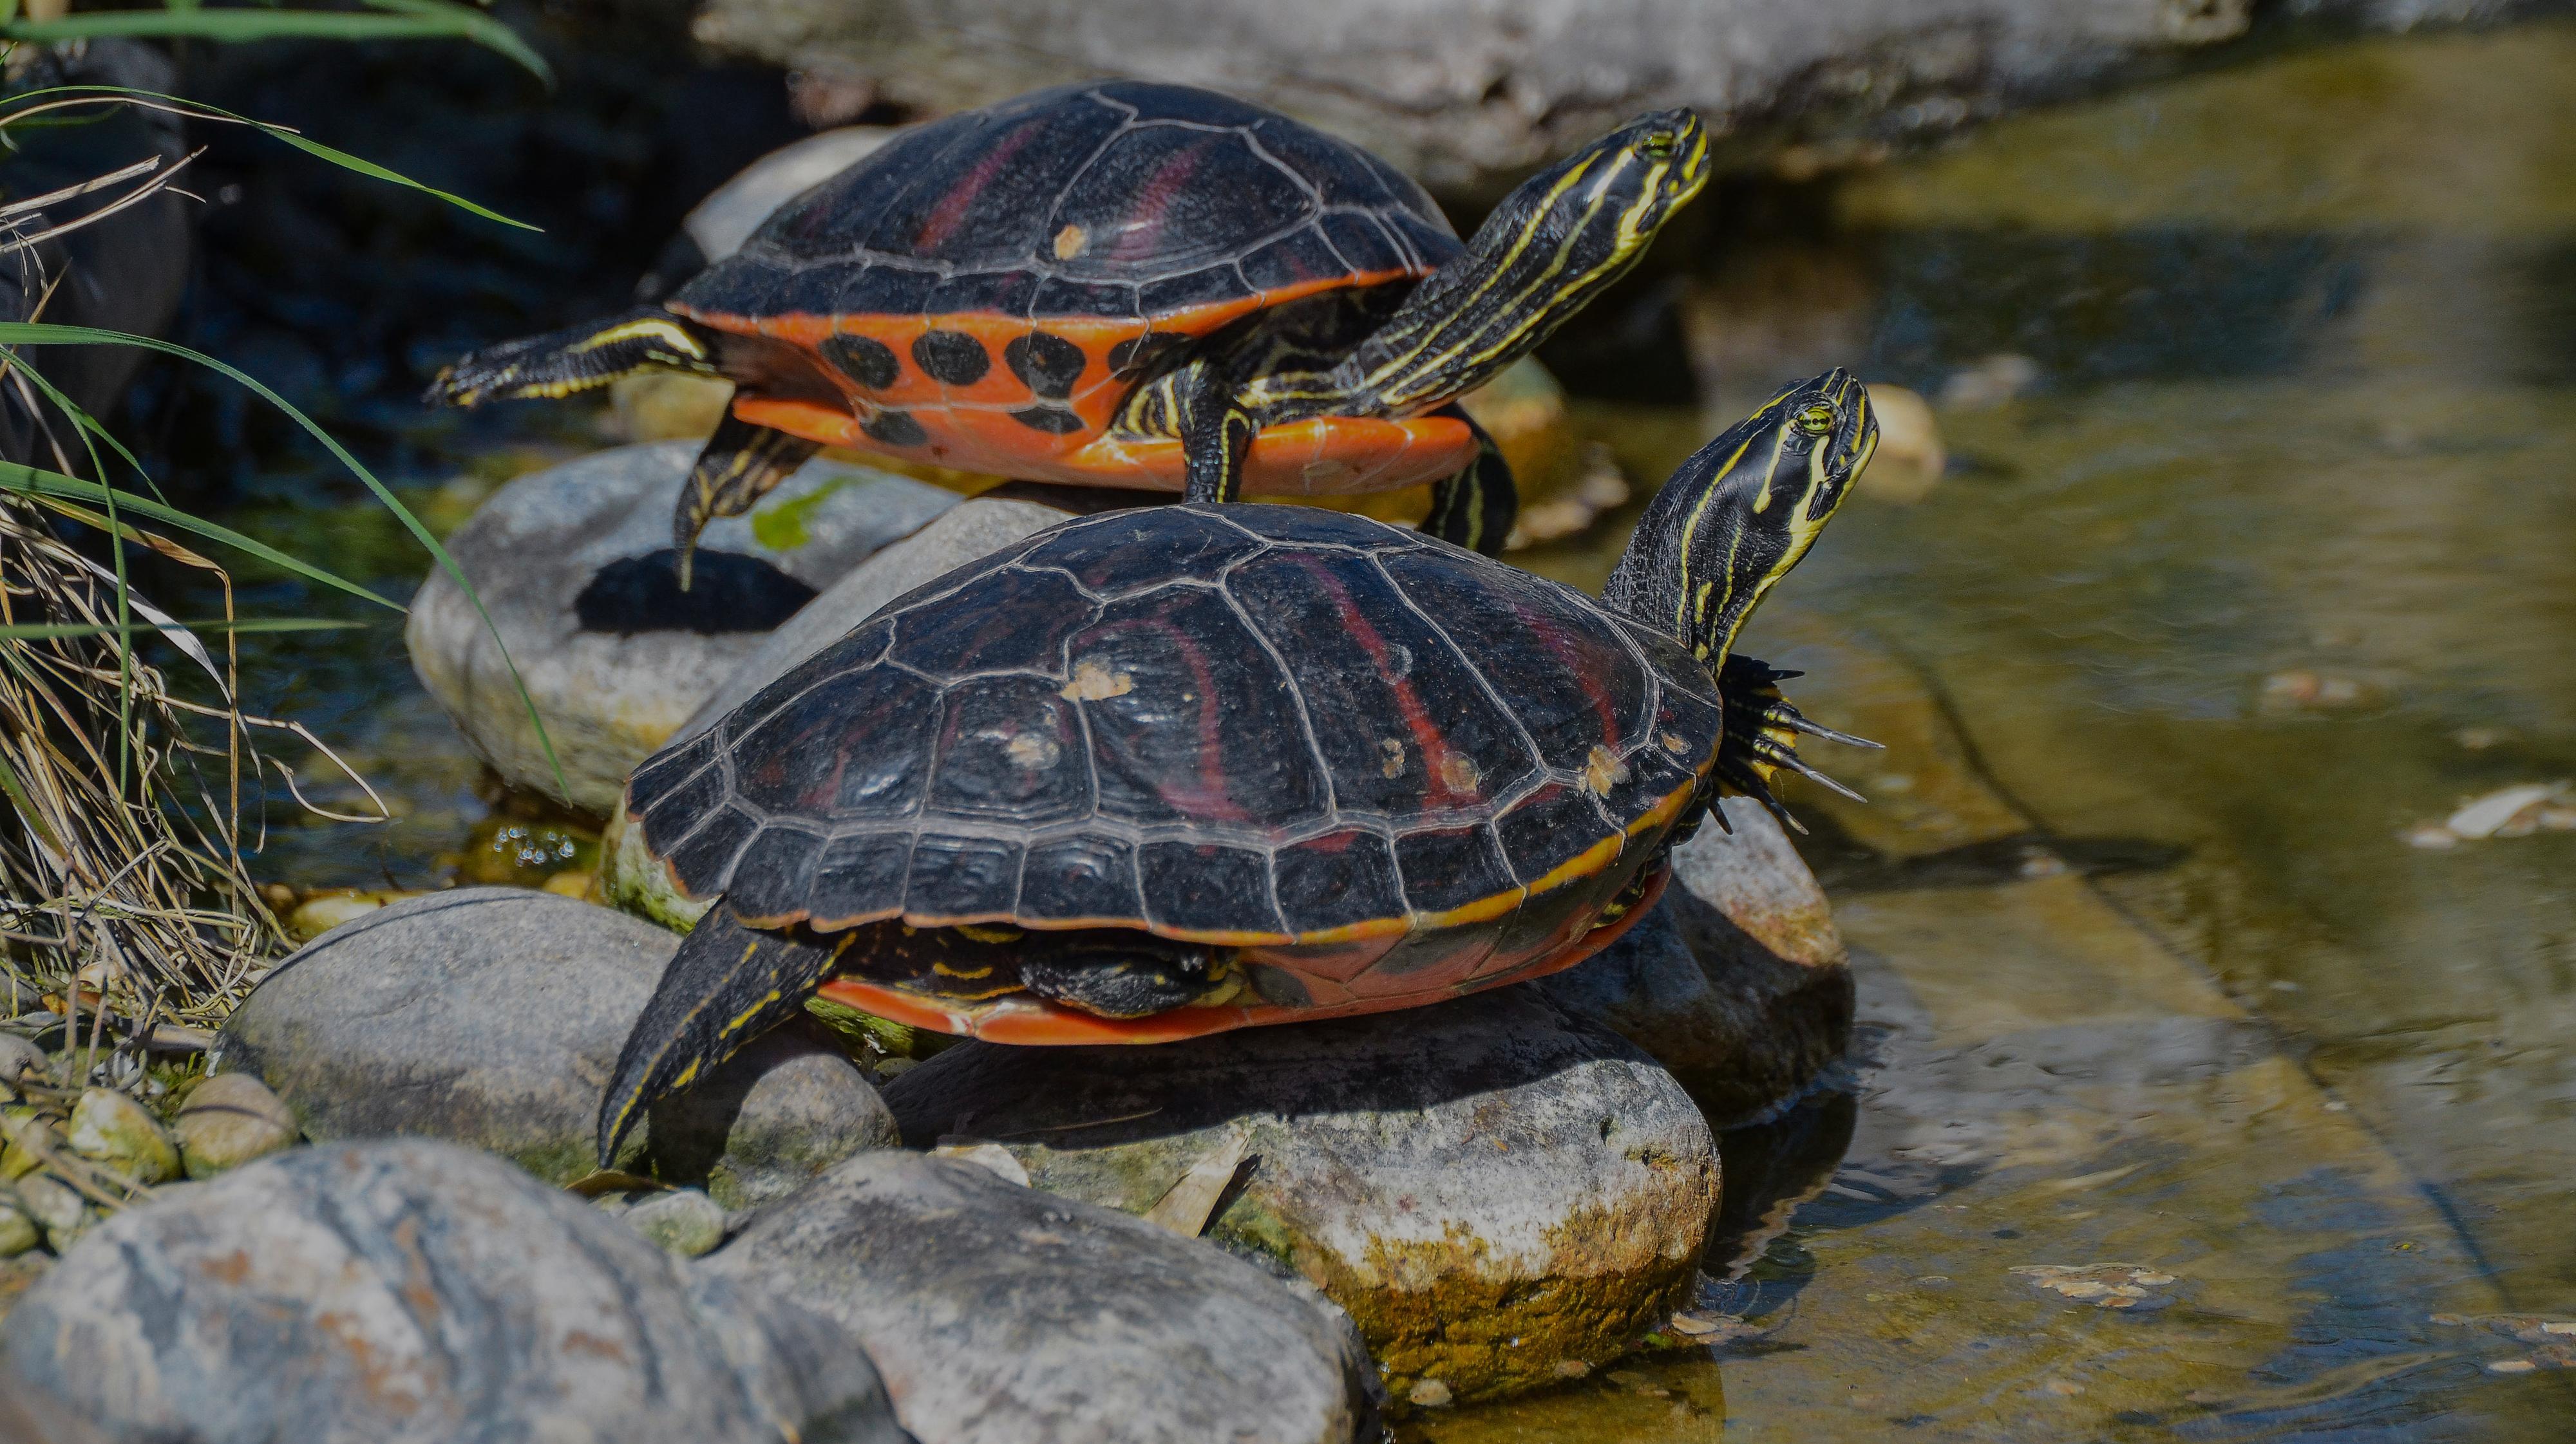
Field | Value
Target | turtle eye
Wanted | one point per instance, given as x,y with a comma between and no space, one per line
1660,145
1816,418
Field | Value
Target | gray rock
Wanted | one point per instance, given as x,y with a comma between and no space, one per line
1737,981
230,1119
109,1128
779,1112
612,663
492,1016
1471,94
1494,1190
998,1315
683,1221
413,1291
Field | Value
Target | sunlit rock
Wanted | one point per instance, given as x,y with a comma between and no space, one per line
1489,1186
576,568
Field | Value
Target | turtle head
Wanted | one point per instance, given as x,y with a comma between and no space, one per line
1545,252
1607,200
1742,511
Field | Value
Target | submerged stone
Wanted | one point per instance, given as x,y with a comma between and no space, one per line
1491,1187
999,1315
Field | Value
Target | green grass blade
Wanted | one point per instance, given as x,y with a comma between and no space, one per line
35,481
17,791
408,21
203,111
38,631
38,333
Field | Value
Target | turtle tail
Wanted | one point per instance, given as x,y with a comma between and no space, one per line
728,984
563,362
1761,741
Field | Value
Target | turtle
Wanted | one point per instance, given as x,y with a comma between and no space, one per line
1131,285
1168,770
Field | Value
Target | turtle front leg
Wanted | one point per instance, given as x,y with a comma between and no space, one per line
1216,431
1476,507
727,985
738,466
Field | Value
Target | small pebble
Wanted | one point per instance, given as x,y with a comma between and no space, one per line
230,1119
19,1058
2305,691
683,1221
2063,1388
2512,1366
111,1129
1428,1394
1990,381
993,1158
1694,1325
2431,836
19,1230
56,1205
1570,1368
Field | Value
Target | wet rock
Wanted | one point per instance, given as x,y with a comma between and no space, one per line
998,1315
575,566
111,1129
1490,1187
229,1120
630,879
492,1016
683,1222
1737,981
407,1290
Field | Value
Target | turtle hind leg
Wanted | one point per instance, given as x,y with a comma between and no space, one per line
727,985
1762,731
738,466
563,362
1476,507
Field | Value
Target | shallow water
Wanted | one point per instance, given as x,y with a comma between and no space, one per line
2151,976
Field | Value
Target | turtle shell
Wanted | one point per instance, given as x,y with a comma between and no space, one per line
982,291
1388,765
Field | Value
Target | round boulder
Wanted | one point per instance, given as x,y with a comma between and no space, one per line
999,1315
1737,981
576,567
492,1017
413,1291
1498,1193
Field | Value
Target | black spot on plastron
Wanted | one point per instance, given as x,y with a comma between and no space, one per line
1050,365
868,361
894,428
951,357
728,592
1048,418
1138,354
